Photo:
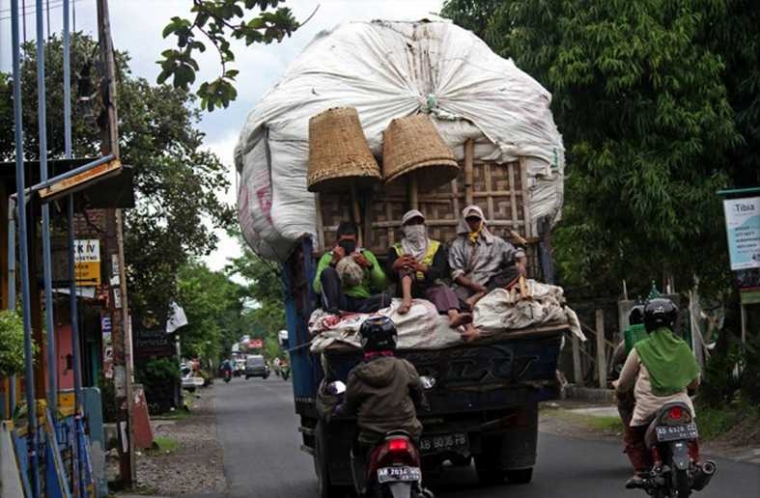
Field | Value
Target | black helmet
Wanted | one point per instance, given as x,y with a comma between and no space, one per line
636,315
660,313
378,334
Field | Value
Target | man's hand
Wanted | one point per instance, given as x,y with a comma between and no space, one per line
402,263
337,254
421,267
615,384
362,261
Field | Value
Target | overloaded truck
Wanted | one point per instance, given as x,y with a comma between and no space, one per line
508,159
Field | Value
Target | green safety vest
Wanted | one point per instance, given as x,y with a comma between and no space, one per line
432,248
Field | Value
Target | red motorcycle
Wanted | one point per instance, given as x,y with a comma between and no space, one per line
393,467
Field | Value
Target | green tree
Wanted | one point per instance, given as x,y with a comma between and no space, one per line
214,306
176,181
638,93
266,315
217,22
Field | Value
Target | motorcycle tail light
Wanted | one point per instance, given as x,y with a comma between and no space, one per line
676,413
397,445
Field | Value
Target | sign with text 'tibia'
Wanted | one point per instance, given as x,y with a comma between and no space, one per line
743,229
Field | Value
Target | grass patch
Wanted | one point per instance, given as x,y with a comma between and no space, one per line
715,423
607,424
164,444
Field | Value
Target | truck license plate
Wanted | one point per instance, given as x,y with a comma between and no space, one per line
398,474
667,433
443,442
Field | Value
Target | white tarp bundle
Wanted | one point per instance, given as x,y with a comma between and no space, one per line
388,70
423,328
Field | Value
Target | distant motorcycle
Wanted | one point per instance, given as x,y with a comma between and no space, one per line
227,375
674,474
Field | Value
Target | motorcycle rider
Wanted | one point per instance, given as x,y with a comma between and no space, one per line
632,334
226,367
660,369
382,390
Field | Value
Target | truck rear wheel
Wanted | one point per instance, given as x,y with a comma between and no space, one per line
487,463
520,476
322,465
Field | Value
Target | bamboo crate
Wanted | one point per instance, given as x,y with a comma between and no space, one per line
497,188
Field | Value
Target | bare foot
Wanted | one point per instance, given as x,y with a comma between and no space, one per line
470,334
406,305
456,319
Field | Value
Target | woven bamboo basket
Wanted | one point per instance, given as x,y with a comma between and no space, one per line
339,156
412,146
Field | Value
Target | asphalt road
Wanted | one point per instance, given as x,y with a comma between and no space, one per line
258,430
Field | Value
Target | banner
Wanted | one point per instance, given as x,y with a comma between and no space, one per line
743,229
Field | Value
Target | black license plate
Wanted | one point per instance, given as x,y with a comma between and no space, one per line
398,474
667,433
443,442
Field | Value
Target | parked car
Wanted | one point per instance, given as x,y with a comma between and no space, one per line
256,366
190,381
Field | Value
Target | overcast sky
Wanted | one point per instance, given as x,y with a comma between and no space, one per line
137,27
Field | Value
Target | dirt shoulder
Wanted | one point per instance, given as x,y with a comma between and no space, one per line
188,459
597,422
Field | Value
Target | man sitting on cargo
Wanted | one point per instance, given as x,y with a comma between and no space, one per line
477,256
347,275
419,265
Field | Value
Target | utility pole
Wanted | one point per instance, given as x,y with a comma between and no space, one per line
118,303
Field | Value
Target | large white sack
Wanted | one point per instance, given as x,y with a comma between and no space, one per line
388,70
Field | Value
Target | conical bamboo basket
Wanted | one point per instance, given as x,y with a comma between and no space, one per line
338,152
412,146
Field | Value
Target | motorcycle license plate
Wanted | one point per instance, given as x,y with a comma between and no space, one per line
443,442
677,432
398,474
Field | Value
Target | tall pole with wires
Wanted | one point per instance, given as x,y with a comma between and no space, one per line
24,255
77,466
46,250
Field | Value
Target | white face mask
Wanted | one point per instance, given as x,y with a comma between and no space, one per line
415,234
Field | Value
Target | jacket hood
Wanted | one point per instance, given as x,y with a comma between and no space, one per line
379,372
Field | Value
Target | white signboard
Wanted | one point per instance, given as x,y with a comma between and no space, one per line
743,229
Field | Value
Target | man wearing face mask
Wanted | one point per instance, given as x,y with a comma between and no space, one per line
418,264
356,296
477,256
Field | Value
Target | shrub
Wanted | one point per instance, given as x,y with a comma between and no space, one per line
11,343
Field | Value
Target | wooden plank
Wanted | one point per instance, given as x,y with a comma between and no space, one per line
391,224
497,223
475,195
526,199
577,366
469,153
414,196
455,197
513,191
489,188
601,353
320,224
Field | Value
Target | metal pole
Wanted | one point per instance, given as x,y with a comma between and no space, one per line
26,313
74,312
12,283
46,258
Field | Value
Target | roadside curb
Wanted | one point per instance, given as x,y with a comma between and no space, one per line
590,394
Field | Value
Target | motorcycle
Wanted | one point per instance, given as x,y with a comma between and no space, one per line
227,375
674,473
393,468
285,372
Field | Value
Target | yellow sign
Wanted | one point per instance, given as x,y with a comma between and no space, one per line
87,262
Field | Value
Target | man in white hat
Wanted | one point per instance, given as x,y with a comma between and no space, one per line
419,265
476,256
